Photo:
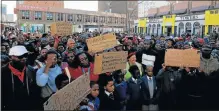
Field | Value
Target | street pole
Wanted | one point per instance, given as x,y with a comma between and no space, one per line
126,16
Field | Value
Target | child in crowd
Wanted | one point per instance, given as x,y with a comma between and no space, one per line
61,81
109,99
133,90
120,87
93,96
149,91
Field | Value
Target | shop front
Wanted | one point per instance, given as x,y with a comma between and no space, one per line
168,25
142,25
26,27
154,26
192,24
211,21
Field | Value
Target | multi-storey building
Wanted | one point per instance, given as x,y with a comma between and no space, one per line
194,17
57,4
130,8
3,12
32,18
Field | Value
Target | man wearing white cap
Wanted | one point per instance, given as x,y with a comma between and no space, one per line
18,82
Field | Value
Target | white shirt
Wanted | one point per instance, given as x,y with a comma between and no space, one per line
135,80
107,93
149,78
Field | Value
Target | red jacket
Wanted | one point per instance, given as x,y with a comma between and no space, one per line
75,73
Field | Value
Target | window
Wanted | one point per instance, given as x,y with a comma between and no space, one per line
95,19
211,12
216,11
59,17
49,16
38,15
70,17
87,19
25,14
79,18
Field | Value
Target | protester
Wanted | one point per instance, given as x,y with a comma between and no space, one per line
134,89
168,79
132,61
18,81
120,87
61,81
93,96
48,63
150,91
84,66
109,99
46,75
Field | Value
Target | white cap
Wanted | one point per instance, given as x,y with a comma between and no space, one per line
17,51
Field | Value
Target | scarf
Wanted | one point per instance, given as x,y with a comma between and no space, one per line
17,73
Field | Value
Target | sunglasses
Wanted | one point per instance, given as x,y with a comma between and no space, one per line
22,56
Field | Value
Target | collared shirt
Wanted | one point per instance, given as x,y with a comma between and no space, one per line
135,80
149,78
108,93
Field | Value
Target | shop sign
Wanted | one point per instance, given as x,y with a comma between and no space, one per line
154,20
190,17
34,8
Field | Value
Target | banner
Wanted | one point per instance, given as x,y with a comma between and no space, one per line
182,58
110,61
100,43
69,97
61,28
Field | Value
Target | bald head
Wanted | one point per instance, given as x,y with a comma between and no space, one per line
71,43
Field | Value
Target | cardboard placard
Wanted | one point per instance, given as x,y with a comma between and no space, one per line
110,61
182,58
100,43
61,28
148,60
69,97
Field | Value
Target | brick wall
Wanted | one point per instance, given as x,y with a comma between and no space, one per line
152,11
200,3
164,9
58,4
181,5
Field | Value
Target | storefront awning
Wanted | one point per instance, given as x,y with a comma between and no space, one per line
217,6
197,9
179,11
163,13
151,15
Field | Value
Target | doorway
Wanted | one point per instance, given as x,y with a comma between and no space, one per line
169,30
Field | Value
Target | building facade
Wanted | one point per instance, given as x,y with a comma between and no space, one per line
3,12
194,17
130,8
58,4
32,18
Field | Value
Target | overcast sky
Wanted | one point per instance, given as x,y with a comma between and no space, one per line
83,5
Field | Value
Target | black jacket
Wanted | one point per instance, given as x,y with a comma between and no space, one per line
17,95
146,100
134,95
107,103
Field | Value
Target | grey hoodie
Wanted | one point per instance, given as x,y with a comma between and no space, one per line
209,65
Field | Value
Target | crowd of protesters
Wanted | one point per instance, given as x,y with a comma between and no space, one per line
33,67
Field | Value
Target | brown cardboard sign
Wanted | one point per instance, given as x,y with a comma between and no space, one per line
61,28
110,61
102,42
69,97
182,58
